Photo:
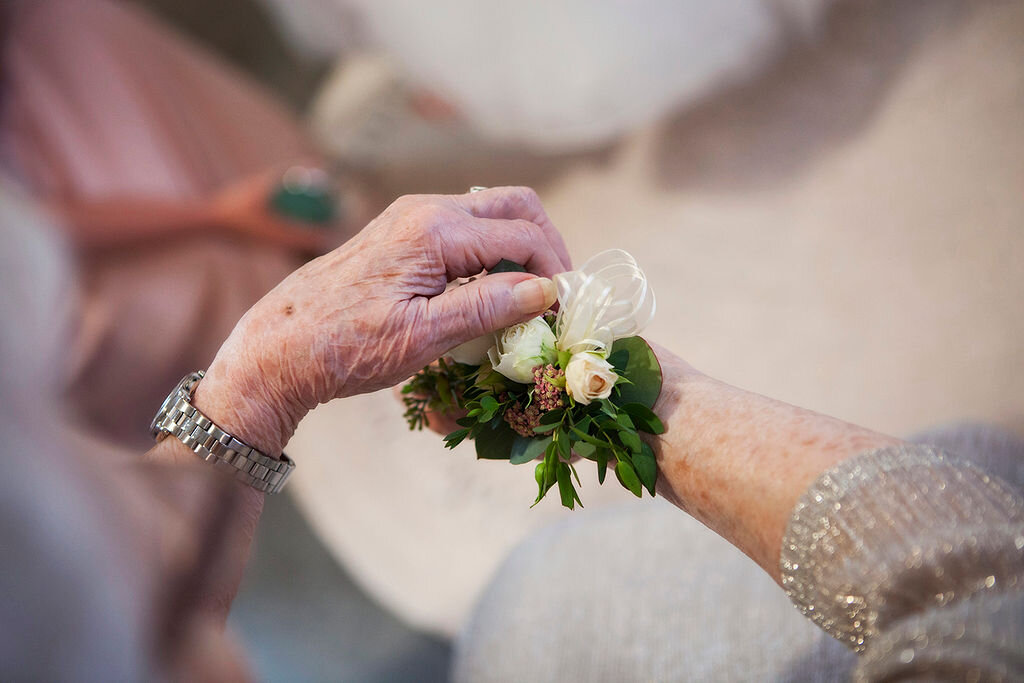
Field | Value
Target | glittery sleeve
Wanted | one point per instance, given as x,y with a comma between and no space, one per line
905,550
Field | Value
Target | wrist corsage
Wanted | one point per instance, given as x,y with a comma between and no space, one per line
578,382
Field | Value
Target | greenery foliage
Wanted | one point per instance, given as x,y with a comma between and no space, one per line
493,411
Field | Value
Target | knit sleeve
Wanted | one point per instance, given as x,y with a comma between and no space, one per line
915,559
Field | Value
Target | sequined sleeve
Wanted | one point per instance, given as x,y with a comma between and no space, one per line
914,559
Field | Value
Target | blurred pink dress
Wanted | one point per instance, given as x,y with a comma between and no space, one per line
99,101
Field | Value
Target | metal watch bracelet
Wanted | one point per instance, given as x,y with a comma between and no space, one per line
179,418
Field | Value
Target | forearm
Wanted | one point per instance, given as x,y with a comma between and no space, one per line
738,461
236,403
114,222
214,572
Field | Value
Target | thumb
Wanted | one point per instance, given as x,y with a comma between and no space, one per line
488,304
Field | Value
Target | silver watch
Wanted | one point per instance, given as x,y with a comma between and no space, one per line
179,418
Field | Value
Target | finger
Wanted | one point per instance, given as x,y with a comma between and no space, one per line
477,244
443,423
515,203
487,304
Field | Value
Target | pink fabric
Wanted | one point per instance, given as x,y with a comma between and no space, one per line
100,101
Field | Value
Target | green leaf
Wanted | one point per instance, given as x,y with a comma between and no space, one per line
489,378
608,408
553,417
562,439
589,438
602,465
506,266
619,359
489,406
585,450
642,369
540,475
627,477
444,388
455,438
631,440
624,422
465,421
565,487
576,476
544,429
644,418
550,465
525,449
494,442
646,467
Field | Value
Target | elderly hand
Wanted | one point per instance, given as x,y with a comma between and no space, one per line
370,313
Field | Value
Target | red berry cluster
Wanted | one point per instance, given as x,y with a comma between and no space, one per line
523,420
546,392
547,395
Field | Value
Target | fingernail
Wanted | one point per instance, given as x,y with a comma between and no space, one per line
534,296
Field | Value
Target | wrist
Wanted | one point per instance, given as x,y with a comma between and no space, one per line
738,461
242,403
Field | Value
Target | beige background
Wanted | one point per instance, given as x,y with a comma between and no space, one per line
846,233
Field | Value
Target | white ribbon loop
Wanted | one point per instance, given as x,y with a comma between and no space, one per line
608,298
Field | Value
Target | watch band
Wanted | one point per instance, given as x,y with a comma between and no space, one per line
179,418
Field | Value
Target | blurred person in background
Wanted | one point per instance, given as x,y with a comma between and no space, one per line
96,544
559,77
160,163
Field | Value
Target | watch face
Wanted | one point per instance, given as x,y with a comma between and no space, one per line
168,403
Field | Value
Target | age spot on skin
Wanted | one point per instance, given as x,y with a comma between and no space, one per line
289,309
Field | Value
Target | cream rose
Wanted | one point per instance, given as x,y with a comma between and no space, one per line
473,352
589,377
522,347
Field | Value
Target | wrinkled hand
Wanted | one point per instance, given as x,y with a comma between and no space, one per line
372,312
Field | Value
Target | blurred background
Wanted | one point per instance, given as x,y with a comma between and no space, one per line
827,196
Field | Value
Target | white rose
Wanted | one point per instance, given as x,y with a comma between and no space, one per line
589,377
522,347
473,352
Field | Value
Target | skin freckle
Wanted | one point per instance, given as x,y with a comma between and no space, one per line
289,309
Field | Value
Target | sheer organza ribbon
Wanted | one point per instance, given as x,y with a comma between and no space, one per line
608,298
